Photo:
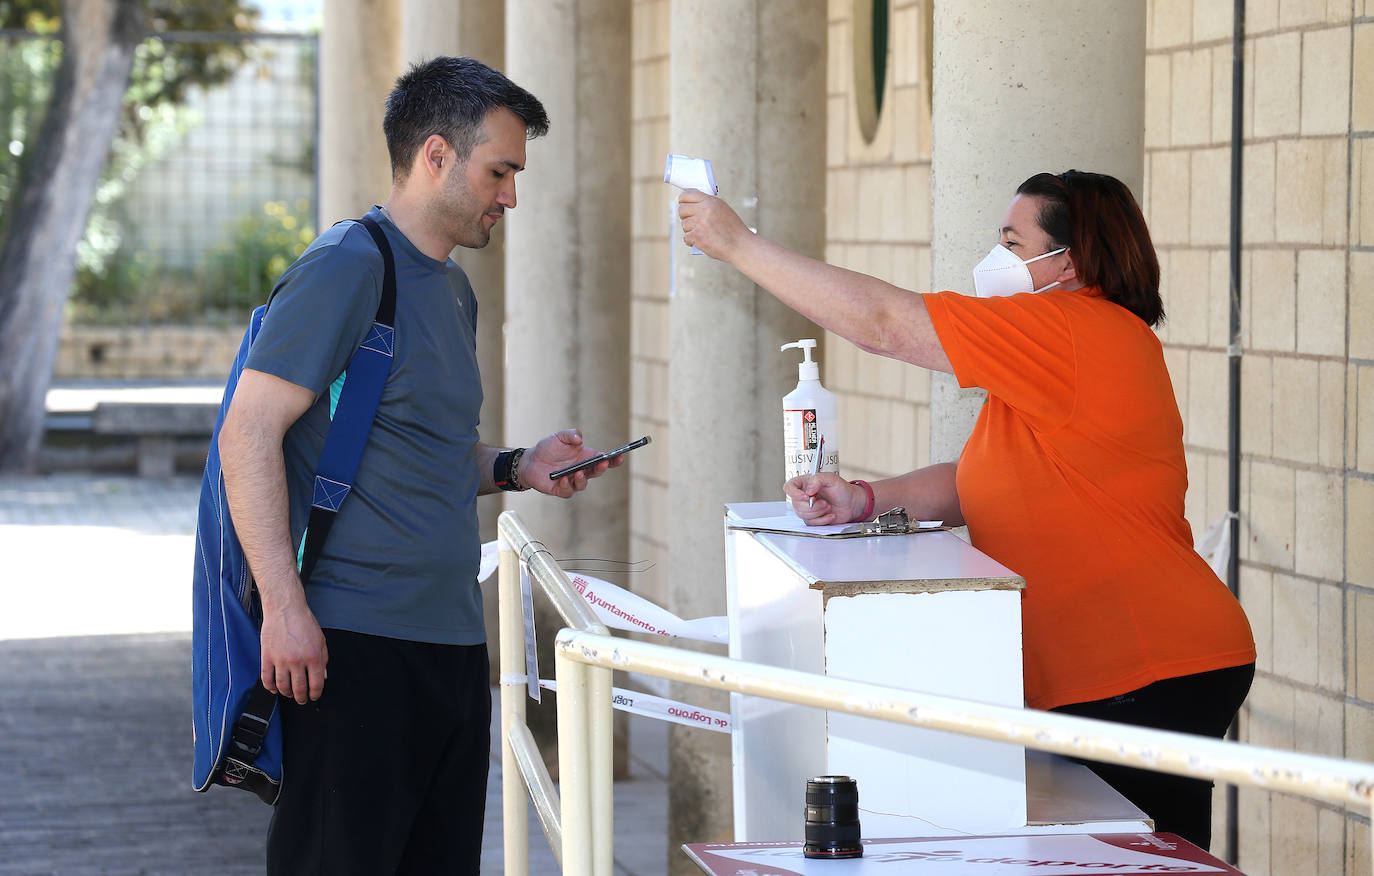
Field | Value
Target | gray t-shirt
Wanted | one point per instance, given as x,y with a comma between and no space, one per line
401,560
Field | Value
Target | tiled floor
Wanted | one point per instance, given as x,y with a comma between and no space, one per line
94,738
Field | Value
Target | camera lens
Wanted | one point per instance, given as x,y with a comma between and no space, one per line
832,818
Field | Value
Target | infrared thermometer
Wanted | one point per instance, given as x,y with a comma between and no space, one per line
690,173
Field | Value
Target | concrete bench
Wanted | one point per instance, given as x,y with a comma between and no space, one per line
156,425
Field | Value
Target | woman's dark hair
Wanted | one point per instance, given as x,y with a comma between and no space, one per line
1097,218
451,97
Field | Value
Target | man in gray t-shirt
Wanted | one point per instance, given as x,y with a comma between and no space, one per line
385,766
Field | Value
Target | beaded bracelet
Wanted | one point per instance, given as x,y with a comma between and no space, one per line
868,505
505,471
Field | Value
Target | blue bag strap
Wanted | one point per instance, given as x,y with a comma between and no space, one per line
348,433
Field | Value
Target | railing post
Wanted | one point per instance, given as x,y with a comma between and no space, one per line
574,764
514,810
602,744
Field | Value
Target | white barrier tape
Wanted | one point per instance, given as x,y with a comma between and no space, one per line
1215,545
491,558
650,706
513,679
620,609
531,652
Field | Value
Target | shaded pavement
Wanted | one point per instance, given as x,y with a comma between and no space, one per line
95,737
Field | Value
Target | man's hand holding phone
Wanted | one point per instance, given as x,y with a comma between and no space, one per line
612,456
560,465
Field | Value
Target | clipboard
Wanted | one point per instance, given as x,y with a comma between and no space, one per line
894,522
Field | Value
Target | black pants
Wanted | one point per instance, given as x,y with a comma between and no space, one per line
387,771
1203,704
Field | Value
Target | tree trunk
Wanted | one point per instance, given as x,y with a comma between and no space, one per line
50,209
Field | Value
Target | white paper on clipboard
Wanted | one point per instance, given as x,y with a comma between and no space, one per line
790,524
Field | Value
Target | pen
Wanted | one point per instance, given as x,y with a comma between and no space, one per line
820,448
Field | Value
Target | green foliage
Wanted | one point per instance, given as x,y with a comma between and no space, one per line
39,16
134,287
161,126
263,245
164,70
124,288
26,67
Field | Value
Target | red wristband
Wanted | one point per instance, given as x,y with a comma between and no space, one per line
868,506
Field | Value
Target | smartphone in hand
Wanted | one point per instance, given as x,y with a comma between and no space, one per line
600,457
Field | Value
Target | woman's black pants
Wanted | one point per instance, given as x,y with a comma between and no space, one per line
1202,704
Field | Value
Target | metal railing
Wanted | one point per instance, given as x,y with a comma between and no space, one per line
577,823
586,654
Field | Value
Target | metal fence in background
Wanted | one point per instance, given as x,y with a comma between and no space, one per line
204,201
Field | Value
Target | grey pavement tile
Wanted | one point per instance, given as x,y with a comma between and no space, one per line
150,506
641,809
96,759
94,737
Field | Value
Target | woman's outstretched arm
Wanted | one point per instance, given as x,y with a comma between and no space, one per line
874,315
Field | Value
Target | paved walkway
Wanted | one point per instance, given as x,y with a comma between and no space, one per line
94,732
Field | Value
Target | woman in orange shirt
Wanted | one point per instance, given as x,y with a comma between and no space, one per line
1074,474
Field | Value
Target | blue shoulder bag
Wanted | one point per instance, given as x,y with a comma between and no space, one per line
237,737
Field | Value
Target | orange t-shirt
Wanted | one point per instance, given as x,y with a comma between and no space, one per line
1074,478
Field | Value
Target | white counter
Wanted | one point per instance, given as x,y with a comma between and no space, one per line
921,612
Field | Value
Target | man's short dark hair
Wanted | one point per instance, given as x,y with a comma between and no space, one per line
451,97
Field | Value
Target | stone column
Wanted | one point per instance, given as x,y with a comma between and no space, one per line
747,87
430,28
360,57
477,29
1020,88
568,273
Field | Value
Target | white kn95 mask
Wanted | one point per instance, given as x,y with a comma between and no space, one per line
1002,273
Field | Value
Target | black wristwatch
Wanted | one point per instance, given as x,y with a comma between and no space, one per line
506,470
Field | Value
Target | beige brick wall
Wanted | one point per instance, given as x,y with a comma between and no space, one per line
1307,292
146,353
650,516
878,222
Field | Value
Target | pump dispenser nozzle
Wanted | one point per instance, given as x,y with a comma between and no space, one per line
806,369
810,419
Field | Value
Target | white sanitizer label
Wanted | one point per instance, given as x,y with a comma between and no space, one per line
801,443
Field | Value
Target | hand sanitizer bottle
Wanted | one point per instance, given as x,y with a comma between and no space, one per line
810,420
